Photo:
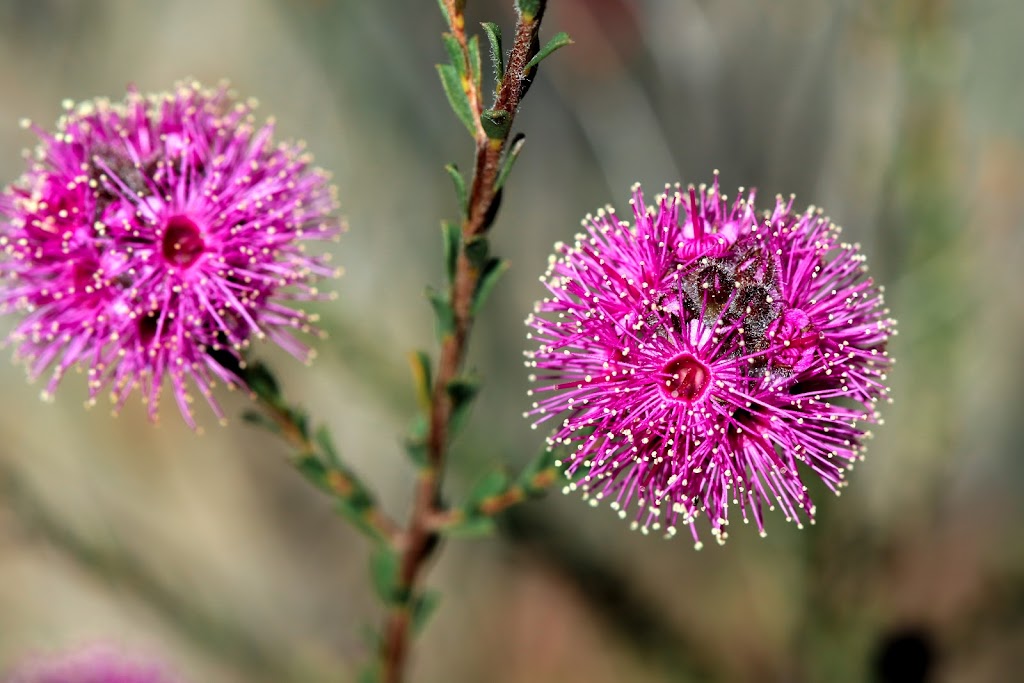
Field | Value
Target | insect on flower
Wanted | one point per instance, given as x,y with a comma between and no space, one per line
705,358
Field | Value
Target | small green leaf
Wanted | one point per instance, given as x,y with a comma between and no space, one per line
457,98
444,12
254,417
421,371
263,383
496,123
530,8
313,469
462,391
472,527
560,40
384,566
454,50
493,32
492,484
477,251
474,60
460,186
423,607
545,459
327,447
492,272
445,316
510,159
452,236
416,441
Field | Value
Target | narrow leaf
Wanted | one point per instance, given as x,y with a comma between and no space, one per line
254,417
419,361
326,443
477,251
560,40
454,50
493,271
530,8
444,12
423,608
496,123
510,159
491,485
263,383
384,564
452,241
493,32
313,469
443,313
416,442
472,527
474,60
452,83
462,391
460,186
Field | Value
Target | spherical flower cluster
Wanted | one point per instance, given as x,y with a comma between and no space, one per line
151,240
708,357
91,665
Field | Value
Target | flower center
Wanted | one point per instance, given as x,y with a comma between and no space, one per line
685,378
182,243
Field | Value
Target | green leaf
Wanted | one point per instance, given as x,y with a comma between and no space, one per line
423,607
416,442
452,83
460,186
493,32
560,40
472,527
477,251
326,443
492,484
355,516
421,371
510,159
454,50
313,469
445,316
545,459
255,417
462,391
444,12
474,60
492,272
384,566
452,236
263,383
530,8
496,123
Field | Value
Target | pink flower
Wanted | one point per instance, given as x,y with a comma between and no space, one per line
705,358
92,665
152,240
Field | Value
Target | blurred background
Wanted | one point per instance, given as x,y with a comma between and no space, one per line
903,118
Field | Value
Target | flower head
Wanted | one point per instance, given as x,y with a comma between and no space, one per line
154,238
92,665
706,357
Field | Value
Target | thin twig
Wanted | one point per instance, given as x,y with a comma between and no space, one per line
421,538
342,483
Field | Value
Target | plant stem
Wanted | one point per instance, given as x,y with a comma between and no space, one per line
420,539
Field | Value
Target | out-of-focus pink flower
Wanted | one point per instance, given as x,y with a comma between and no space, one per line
152,240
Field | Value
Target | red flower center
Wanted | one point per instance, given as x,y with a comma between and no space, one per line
685,378
182,243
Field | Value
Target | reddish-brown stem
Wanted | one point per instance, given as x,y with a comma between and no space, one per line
421,537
